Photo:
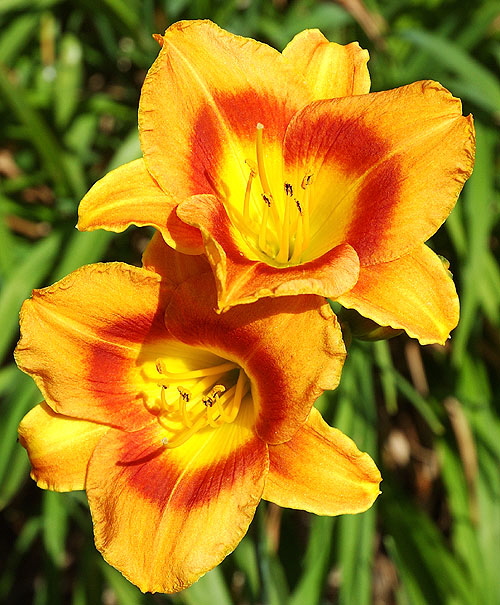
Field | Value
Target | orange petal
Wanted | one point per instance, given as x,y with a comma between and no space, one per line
414,293
164,260
387,167
129,195
243,279
59,447
330,70
287,371
164,517
202,100
320,470
81,339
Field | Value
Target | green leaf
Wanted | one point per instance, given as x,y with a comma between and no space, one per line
476,82
25,276
209,589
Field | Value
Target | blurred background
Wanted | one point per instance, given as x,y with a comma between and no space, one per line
70,78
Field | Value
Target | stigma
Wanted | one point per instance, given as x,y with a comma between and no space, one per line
281,233
194,400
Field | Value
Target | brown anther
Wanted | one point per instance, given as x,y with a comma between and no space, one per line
297,203
185,396
288,189
306,181
267,200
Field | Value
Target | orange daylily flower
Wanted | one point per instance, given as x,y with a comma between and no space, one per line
177,420
292,178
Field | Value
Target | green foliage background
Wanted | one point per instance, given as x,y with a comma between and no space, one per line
70,77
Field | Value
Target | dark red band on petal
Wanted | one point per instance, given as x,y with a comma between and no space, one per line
248,108
155,471
318,134
113,370
378,198
223,132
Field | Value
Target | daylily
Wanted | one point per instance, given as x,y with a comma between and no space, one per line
292,178
177,420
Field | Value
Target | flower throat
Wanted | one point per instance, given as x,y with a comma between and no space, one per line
213,398
282,231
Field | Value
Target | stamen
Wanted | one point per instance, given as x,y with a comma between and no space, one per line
263,228
182,437
214,394
239,393
248,191
260,161
306,182
206,403
184,397
284,246
220,369
298,246
288,190
163,399
213,400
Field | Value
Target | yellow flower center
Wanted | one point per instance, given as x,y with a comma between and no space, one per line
193,400
281,233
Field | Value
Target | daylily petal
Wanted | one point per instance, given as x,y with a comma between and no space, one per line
386,167
427,303
59,447
290,348
322,471
129,195
201,101
81,338
165,517
331,70
240,279
164,260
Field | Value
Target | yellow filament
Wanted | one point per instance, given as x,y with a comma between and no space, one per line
184,398
306,208
194,411
164,402
214,415
182,437
259,148
239,393
299,244
219,405
220,369
263,228
248,191
284,248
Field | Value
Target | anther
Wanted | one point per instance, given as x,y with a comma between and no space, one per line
306,181
163,400
267,200
214,394
297,203
288,189
184,393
